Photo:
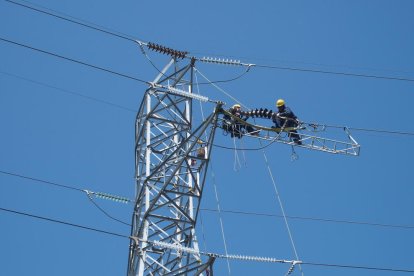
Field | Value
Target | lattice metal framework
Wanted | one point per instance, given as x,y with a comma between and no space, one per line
172,157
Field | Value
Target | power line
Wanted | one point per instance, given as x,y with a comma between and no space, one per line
234,211
43,181
68,91
219,146
364,129
64,222
105,212
73,60
271,61
383,131
333,73
311,218
360,267
128,237
88,193
285,68
100,29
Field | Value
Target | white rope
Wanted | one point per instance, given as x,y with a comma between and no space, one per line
220,89
215,189
220,217
236,164
282,209
243,153
202,232
198,92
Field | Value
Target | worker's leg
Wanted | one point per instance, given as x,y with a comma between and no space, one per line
295,137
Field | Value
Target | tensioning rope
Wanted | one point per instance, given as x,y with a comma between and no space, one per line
282,209
220,216
215,190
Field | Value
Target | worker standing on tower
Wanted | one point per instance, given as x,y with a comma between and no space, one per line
234,126
285,118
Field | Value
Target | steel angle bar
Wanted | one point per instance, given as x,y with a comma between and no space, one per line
170,219
202,128
312,142
317,143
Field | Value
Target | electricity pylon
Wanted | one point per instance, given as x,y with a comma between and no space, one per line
171,161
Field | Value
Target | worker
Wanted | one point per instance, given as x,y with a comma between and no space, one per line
236,127
285,118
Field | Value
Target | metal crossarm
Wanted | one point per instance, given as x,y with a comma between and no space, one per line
314,142
307,135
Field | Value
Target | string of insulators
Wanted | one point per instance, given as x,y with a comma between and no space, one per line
291,269
259,113
166,50
112,197
221,61
181,248
175,247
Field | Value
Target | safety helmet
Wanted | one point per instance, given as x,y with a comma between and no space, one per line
236,106
280,103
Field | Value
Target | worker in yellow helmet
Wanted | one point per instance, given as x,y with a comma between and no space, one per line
285,118
236,107
236,127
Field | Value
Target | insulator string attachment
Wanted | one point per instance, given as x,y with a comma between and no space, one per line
166,50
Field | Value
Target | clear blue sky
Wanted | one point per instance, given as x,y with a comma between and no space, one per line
74,125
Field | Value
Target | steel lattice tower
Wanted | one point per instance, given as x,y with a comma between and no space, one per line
171,158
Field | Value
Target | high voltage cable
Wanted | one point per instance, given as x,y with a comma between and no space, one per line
73,60
219,146
63,222
360,267
105,212
234,211
88,193
310,218
68,91
106,232
377,130
71,20
230,256
97,194
333,73
42,181
286,68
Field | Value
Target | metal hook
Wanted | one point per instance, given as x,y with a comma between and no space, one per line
294,156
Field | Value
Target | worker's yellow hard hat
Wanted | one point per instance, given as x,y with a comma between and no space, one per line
236,105
280,103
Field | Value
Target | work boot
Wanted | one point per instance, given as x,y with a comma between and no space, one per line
297,142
